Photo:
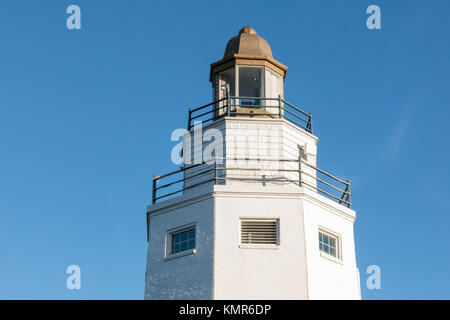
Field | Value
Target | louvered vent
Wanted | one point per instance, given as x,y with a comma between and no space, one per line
259,231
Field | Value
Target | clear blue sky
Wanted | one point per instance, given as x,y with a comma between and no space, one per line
86,118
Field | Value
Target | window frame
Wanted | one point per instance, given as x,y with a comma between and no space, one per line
170,233
338,244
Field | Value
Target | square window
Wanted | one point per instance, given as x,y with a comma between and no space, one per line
329,243
183,240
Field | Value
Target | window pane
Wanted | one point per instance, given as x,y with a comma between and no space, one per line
332,242
182,241
332,252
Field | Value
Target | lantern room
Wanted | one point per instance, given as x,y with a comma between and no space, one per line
248,78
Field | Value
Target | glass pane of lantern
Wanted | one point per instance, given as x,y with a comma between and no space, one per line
226,82
274,89
251,84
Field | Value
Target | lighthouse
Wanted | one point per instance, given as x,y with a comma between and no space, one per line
248,214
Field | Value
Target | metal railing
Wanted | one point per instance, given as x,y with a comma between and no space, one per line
303,175
232,106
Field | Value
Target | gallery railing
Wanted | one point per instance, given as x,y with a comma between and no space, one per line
250,106
301,173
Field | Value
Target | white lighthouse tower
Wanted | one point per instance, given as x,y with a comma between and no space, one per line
249,215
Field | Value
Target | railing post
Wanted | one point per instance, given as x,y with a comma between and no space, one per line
215,171
189,120
279,106
348,194
300,153
228,104
154,190
310,123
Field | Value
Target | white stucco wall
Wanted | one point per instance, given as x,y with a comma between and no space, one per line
197,141
252,138
185,277
267,139
249,271
221,268
330,278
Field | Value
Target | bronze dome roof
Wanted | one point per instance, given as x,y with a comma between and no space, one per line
248,42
